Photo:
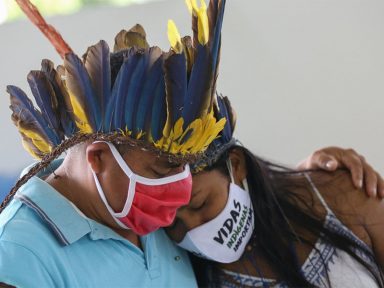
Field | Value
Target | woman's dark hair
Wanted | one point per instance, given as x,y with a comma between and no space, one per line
272,189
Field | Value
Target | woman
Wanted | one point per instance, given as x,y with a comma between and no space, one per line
260,224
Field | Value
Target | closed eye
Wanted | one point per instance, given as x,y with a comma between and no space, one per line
198,206
159,174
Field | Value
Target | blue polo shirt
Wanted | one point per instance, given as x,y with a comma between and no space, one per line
47,242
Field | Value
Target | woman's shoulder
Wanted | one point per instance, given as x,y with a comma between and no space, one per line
342,196
350,204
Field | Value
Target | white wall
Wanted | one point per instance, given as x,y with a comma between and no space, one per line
301,73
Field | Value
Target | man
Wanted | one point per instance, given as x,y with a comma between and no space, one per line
130,121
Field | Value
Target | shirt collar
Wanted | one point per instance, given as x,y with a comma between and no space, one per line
67,223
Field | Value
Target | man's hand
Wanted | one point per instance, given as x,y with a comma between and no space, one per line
332,158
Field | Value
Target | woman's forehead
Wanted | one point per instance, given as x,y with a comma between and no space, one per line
206,181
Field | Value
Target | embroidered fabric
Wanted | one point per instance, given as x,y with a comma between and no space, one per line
343,270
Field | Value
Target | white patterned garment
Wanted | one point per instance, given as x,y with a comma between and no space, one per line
343,270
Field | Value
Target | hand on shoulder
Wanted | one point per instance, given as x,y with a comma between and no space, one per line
332,158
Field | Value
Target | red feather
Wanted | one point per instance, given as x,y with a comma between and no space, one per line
53,36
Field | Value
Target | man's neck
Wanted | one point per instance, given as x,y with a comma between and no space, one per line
130,236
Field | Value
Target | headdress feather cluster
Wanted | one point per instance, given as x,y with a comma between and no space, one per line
164,99
224,141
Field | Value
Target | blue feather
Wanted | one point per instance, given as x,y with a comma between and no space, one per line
134,88
176,83
66,120
28,117
215,50
226,134
79,83
145,102
116,106
159,112
46,100
97,63
199,93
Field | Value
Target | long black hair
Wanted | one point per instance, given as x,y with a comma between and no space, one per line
272,190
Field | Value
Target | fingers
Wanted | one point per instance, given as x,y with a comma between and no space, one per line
357,166
360,169
362,174
319,160
328,162
370,179
380,186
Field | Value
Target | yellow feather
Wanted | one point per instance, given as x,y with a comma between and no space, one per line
199,168
210,130
150,138
81,121
202,19
140,134
159,143
204,131
189,5
174,148
30,150
218,126
203,24
196,127
167,126
174,37
38,141
126,132
178,128
203,5
192,6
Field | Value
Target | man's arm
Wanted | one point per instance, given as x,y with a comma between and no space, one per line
333,158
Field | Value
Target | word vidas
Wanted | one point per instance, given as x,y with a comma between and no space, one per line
235,229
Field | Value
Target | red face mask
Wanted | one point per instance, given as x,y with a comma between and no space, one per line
150,203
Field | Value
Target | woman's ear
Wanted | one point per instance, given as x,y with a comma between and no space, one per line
239,167
96,156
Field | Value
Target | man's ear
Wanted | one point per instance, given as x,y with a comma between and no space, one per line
239,168
96,154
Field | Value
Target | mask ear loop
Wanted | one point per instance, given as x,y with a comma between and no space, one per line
132,182
245,184
230,170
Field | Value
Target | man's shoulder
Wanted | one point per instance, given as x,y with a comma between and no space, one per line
21,226
24,243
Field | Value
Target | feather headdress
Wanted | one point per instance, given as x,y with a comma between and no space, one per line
225,139
137,93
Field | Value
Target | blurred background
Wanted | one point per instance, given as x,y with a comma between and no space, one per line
302,74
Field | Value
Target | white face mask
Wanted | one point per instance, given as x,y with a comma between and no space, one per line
224,238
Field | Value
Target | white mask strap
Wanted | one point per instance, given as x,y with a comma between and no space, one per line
245,184
104,199
131,188
120,160
230,170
